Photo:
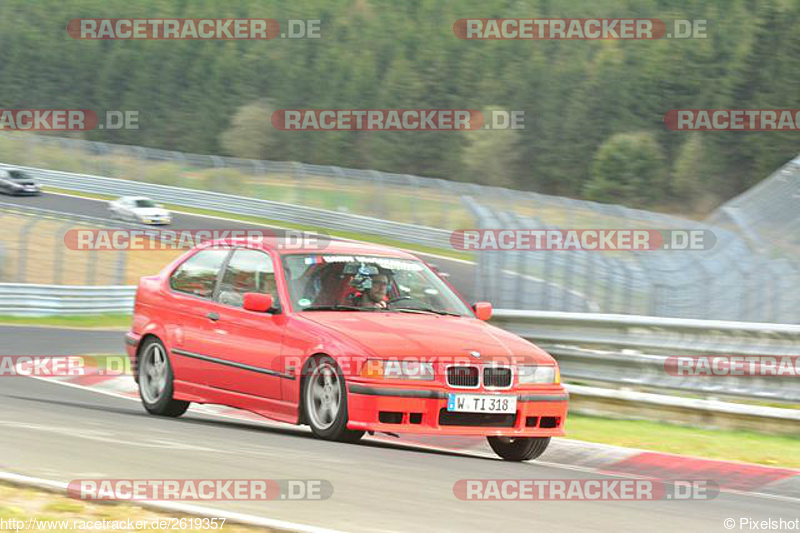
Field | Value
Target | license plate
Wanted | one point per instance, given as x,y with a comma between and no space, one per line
481,403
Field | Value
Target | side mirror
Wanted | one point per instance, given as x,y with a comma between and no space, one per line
258,302
483,310
438,271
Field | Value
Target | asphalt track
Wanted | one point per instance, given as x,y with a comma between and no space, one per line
61,433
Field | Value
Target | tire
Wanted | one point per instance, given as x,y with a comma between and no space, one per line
156,381
519,448
325,401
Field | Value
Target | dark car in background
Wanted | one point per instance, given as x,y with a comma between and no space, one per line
17,182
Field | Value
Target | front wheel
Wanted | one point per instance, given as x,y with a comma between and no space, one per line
156,381
325,402
519,448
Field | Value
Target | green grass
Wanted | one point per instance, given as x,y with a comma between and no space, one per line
365,237
64,507
101,321
749,447
21,504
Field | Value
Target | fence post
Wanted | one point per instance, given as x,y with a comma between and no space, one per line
414,182
215,182
23,249
142,158
122,264
377,195
298,183
58,255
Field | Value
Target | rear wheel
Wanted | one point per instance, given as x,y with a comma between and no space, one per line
325,401
156,381
519,448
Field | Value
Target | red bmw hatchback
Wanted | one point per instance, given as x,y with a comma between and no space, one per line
350,339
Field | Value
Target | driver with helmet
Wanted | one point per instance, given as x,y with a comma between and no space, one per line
373,286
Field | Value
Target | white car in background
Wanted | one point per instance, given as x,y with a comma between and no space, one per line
139,209
16,182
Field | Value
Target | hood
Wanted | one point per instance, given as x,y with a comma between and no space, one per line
396,335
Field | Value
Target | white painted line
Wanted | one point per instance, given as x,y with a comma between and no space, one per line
173,507
74,328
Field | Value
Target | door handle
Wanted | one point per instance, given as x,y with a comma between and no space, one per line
213,316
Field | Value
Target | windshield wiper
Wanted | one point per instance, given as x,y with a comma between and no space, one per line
339,307
424,310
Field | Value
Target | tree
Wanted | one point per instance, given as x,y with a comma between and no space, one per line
250,133
491,155
691,173
628,168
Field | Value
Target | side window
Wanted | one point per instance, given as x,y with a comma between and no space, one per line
247,271
198,274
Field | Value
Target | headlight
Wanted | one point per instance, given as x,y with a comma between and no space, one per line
539,374
394,369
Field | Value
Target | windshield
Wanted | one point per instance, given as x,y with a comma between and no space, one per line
145,203
17,175
368,283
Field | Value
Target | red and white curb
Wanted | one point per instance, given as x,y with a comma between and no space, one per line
563,453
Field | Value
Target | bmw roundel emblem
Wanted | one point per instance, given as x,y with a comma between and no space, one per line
475,354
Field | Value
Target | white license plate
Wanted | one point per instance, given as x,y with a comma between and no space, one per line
481,403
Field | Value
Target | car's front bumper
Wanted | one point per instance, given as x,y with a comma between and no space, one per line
394,409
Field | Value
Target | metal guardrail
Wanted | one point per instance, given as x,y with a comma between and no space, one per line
49,300
241,205
631,351
621,350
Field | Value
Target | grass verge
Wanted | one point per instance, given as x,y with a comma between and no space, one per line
749,447
52,511
103,321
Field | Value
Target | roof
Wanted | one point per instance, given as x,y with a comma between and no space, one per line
311,245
